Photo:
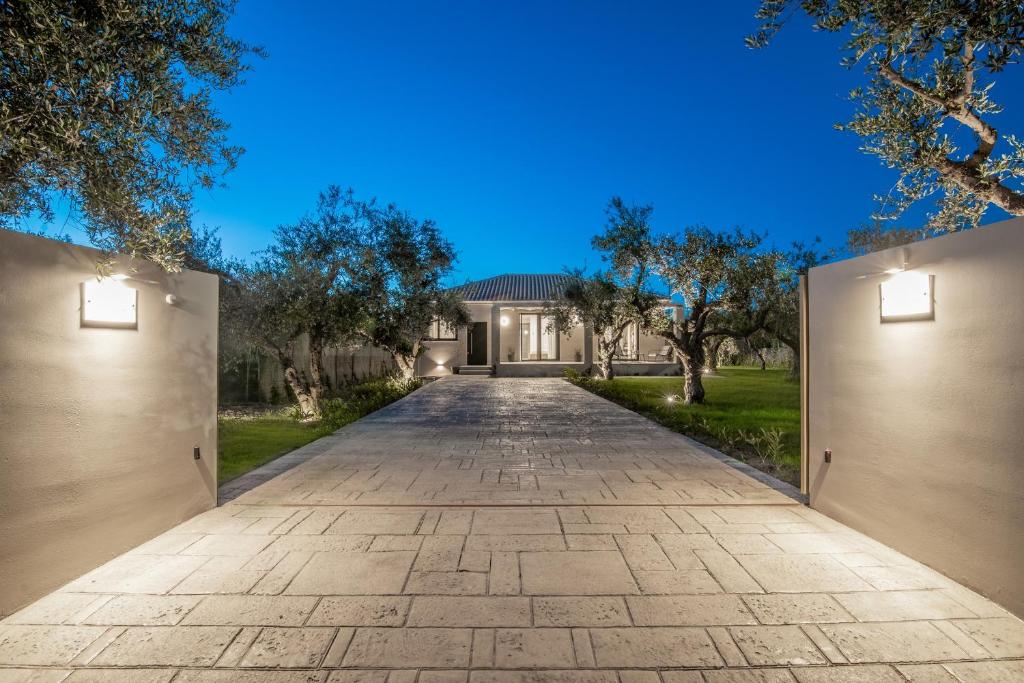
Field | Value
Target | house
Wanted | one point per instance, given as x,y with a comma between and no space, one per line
508,336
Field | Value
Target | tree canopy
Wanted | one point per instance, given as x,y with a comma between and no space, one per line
927,109
106,105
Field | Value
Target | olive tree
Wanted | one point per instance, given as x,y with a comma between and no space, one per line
303,289
399,283
610,302
931,67
723,282
107,106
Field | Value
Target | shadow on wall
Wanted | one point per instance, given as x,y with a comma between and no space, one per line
97,425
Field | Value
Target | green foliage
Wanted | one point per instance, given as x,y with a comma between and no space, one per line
750,414
931,67
108,105
609,302
362,399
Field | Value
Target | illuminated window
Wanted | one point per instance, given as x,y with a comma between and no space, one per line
442,331
538,339
907,296
109,303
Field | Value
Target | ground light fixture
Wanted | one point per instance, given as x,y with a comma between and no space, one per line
907,295
107,302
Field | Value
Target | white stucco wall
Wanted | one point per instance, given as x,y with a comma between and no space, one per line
925,419
97,426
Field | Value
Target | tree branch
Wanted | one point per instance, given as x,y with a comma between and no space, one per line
956,108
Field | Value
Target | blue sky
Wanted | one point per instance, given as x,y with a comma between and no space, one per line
512,124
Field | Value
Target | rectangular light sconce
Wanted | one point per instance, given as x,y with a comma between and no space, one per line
907,296
109,303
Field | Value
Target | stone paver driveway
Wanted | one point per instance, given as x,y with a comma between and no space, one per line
511,531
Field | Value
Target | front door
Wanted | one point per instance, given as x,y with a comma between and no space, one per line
476,344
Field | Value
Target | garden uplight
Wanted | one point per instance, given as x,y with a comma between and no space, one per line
109,303
907,296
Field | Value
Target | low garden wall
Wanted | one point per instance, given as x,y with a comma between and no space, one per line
99,420
923,417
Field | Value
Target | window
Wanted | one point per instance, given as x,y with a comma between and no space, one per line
441,331
538,340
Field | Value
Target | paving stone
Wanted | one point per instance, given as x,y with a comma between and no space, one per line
745,676
446,583
802,574
797,608
642,553
653,647
469,611
409,647
687,582
373,522
533,648
901,606
689,610
515,543
590,542
576,573
543,677
787,645
580,612
58,608
236,545
167,646
137,574
289,647
508,522
871,673
251,610
219,575
360,611
893,642
1001,637
116,676
143,610
43,645
353,574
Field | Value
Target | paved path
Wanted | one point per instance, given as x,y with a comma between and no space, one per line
511,531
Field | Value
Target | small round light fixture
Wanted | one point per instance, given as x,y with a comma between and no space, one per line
504,321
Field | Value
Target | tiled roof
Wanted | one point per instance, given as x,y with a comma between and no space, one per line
533,287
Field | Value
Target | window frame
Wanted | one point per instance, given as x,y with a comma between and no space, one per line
434,331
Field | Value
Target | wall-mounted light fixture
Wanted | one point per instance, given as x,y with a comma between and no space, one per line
440,366
907,295
109,303
504,321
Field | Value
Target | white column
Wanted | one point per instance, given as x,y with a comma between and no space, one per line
495,347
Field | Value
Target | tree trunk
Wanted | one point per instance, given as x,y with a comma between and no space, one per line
712,355
316,370
406,365
605,354
309,408
693,369
794,368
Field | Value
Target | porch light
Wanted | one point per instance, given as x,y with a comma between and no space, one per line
108,303
504,321
907,295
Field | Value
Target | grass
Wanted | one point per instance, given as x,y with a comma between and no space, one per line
246,442
739,402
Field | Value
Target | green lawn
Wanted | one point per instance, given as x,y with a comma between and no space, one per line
245,444
738,398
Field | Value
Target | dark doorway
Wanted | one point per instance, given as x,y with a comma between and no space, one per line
476,344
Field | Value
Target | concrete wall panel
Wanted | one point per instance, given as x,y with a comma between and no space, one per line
925,419
97,426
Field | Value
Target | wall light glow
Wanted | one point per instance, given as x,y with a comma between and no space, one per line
504,321
108,303
907,296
